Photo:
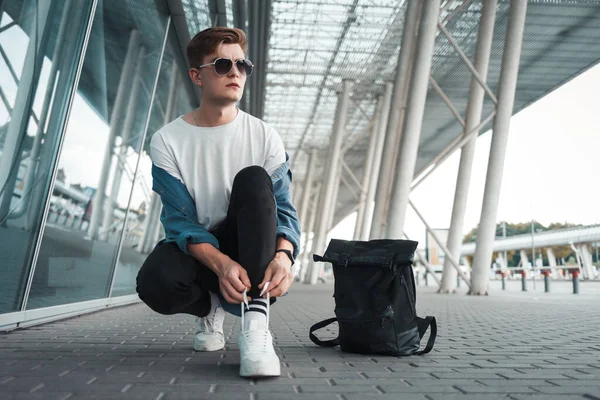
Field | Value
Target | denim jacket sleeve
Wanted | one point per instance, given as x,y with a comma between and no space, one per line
178,216
288,225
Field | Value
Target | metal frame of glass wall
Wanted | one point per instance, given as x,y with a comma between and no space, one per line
85,260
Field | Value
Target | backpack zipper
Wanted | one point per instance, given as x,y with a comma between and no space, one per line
383,320
403,281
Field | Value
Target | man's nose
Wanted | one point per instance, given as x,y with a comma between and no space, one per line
234,71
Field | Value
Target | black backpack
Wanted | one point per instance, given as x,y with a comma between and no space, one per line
375,299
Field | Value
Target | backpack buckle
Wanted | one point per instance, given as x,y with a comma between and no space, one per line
389,262
343,260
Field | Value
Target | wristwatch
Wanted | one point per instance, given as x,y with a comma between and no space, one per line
289,254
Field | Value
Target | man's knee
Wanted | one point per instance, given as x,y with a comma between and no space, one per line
253,185
253,178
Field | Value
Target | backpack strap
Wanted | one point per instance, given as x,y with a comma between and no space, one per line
319,342
423,324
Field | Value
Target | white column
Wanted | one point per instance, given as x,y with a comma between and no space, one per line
330,181
473,118
377,159
126,134
524,259
586,261
313,158
506,95
551,257
367,171
413,121
395,120
552,261
333,203
117,111
309,245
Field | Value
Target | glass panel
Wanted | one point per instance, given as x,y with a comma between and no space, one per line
99,154
143,227
40,45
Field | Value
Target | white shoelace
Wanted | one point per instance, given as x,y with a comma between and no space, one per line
257,341
245,304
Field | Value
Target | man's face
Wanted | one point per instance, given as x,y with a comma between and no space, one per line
222,89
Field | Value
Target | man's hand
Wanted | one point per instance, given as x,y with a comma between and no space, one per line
233,279
279,275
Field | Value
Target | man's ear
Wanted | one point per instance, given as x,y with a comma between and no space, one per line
195,77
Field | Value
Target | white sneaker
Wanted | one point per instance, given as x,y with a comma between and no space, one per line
257,355
209,333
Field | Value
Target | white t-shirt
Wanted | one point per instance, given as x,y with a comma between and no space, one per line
207,159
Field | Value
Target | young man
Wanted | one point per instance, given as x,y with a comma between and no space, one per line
232,232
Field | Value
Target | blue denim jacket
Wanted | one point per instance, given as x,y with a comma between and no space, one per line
180,220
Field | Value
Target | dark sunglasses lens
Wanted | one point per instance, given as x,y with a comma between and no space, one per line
223,66
245,67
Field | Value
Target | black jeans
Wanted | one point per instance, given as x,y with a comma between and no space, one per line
172,282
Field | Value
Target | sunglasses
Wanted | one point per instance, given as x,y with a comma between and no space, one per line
223,66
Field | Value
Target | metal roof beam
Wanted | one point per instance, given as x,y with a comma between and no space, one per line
218,12
349,20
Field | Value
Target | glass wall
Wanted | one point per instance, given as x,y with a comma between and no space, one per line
82,90
173,98
40,45
99,155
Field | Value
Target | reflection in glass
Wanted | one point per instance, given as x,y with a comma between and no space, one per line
143,227
99,155
40,45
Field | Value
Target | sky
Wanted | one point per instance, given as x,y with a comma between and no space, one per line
550,174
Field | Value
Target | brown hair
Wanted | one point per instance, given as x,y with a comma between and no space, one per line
206,42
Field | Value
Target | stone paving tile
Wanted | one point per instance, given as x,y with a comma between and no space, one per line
510,346
468,397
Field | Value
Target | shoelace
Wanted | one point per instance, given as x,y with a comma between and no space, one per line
257,341
245,305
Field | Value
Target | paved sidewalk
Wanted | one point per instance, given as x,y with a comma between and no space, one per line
506,346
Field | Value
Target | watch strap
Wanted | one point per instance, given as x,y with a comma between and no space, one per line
288,253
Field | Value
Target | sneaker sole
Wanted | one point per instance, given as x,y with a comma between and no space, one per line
255,370
208,346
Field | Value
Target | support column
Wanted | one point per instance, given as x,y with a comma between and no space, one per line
473,118
552,261
309,245
506,95
395,120
115,118
524,259
308,184
551,257
126,134
415,109
377,159
368,167
331,169
586,261
332,205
